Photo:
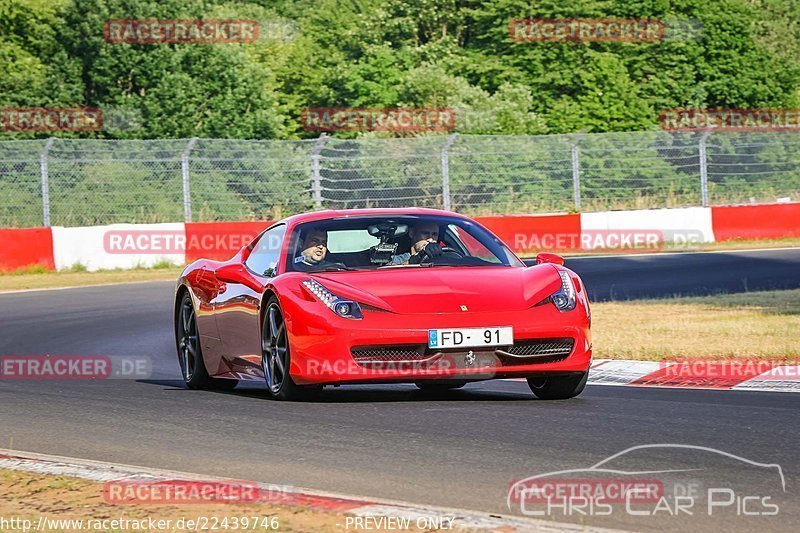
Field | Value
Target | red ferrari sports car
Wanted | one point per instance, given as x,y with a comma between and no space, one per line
381,296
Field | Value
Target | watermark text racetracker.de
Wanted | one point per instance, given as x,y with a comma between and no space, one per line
70,119
632,240
51,119
74,367
164,31
400,119
185,491
723,372
586,30
744,120
476,364
175,242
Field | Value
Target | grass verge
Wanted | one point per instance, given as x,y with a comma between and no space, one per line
751,324
40,279
28,496
738,244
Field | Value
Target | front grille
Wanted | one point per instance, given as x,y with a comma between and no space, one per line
542,347
400,352
523,352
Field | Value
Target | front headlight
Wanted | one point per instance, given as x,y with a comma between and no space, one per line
341,306
564,298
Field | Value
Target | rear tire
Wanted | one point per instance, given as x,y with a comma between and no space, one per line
558,387
190,354
276,357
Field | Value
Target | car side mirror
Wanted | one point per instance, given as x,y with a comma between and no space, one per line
237,273
546,257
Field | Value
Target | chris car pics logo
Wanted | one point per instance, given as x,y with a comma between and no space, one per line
656,480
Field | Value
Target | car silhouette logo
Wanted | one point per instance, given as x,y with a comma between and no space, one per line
607,467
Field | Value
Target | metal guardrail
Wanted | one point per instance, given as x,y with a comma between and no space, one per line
74,182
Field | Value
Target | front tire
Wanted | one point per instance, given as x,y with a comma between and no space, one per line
276,357
558,387
190,355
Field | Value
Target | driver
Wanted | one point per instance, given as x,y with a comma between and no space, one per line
314,249
424,242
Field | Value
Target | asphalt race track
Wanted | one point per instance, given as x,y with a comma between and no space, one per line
687,273
462,449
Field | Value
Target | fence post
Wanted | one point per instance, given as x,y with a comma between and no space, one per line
46,181
316,179
446,203
187,199
576,172
704,169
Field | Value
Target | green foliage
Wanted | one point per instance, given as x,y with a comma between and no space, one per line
387,53
375,53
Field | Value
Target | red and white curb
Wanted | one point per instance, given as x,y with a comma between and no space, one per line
751,375
374,508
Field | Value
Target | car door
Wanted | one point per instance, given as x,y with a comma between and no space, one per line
237,308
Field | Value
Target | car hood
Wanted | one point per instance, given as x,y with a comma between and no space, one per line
446,289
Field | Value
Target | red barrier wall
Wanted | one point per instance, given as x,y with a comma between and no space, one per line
529,234
20,248
766,221
220,240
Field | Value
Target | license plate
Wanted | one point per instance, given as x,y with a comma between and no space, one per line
470,337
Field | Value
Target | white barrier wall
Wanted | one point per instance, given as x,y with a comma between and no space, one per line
685,225
122,246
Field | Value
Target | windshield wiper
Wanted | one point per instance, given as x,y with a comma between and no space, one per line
411,265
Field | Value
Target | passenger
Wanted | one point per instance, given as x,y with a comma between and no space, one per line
424,243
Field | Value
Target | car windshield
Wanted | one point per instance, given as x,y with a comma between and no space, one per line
368,243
